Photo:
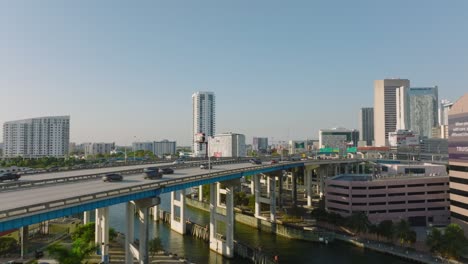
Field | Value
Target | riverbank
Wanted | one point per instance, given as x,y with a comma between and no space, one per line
400,252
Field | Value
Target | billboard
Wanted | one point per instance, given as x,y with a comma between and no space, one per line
458,137
299,145
200,137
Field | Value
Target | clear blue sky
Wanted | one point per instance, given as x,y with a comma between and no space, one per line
282,69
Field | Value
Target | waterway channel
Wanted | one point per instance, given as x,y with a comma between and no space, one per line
289,251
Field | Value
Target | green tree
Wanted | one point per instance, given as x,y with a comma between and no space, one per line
359,222
8,245
434,240
78,252
386,229
454,241
404,234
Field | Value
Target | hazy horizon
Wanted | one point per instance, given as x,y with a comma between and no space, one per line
125,71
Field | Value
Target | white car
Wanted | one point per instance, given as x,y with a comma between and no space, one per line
178,162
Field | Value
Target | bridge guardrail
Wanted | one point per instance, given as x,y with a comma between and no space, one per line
35,183
117,192
34,208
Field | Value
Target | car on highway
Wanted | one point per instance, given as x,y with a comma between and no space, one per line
167,171
111,177
178,161
9,177
255,161
274,161
205,166
152,173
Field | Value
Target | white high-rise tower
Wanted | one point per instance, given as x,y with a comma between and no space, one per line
203,118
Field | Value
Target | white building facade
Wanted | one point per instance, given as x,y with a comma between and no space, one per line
159,148
385,108
37,137
227,145
92,149
203,119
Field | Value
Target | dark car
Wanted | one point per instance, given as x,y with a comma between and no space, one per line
255,161
9,177
38,254
274,161
152,173
112,177
205,166
167,171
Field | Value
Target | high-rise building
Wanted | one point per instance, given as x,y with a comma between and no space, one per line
458,162
338,138
260,144
445,106
385,108
423,108
203,119
37,137
227,145
366,125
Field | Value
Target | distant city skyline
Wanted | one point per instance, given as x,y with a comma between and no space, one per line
126,73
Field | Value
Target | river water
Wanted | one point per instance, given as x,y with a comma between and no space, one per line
289,251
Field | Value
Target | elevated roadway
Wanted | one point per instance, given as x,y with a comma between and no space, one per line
25,206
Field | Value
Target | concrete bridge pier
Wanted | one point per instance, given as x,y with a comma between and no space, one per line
130,234
257,187
272,187
86,217
178,222
308,171
142,207
225,246
200,193
24,236
101,238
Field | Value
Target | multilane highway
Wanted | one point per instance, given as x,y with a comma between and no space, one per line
31,204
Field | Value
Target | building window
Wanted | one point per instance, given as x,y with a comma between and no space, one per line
416,209
397,211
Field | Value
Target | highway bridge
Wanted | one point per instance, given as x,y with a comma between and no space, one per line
43,197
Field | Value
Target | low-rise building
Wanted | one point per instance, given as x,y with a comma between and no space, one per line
422,200
227,145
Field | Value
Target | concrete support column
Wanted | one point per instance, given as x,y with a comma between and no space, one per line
229,222
213,224
219,193
178,225
105,235
347,169
267,180
336,170
272,186
252,185
24,235
86,217
294,187
280,189
224,247
200,193
97,228
130,234
256,178
143,216
308,185
156,213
